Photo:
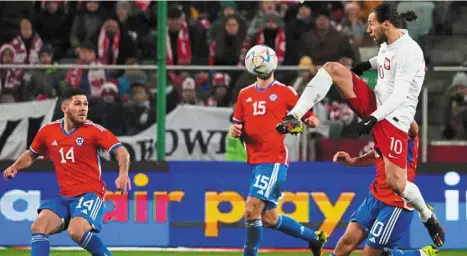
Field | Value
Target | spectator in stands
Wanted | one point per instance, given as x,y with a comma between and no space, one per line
11,12
295,29
186,44
9,78
228,9
455,109
265,8
9,95
114,44
220,96
90,80
226,48
54,28
325,43
305,74
104,110
27,44
352,24
43,82
130,76
86,25
140,113
272,35
189,96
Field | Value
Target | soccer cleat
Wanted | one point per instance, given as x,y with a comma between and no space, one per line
435,229
291,125
317,245
430,250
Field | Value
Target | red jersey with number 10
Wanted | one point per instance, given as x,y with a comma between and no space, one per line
75,155
260,110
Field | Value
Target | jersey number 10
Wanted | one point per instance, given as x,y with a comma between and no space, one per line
259,108
69,155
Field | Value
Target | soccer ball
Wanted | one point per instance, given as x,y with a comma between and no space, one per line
261,60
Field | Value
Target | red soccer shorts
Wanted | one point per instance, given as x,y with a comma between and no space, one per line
390,142
365,102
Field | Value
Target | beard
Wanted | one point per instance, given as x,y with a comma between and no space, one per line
382,39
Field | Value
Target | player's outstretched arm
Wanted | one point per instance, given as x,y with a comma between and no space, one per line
344,158
24,161
123,158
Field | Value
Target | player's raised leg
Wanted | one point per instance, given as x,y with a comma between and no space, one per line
397,181
86,220
46,224
254,225
330,73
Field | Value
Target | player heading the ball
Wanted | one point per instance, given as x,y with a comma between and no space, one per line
73,144
259,108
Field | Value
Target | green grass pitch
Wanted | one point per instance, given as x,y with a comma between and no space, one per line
13,252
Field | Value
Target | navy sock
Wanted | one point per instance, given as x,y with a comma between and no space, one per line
395,252
93,244
291,227
40,245
254,230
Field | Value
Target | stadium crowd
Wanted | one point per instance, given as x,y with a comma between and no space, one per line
199,33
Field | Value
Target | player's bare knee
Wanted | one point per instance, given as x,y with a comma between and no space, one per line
269,221
75,233
252,212
334,69
38,227
78,226
345,246
396,181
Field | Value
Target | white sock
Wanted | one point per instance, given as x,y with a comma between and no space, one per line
314,92
422,253
413,196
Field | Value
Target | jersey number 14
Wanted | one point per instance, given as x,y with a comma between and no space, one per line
68,156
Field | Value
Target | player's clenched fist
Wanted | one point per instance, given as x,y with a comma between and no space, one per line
343,158
236,130
10,172
123,183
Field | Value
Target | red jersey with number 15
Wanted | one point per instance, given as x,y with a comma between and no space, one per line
75,155
260,110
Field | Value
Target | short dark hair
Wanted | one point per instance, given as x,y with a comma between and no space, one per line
389,12
70,92
174,12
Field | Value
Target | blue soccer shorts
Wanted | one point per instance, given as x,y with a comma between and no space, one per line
384,224
88,206
265,183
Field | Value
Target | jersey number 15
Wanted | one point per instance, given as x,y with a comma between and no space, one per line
68,156
259,108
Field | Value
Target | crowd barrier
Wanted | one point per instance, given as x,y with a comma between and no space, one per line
201,204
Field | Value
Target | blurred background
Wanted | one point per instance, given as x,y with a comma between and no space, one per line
189,171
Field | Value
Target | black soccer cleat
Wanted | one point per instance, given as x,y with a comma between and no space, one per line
435,229
316,246
290,125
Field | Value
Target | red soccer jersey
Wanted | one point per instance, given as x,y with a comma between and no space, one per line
75,155
260,110
379,187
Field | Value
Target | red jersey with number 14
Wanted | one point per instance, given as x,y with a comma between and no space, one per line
381,190
75,155
260,110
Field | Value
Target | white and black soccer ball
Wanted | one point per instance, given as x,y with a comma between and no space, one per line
261,60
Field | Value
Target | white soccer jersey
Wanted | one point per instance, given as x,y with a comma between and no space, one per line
401,71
